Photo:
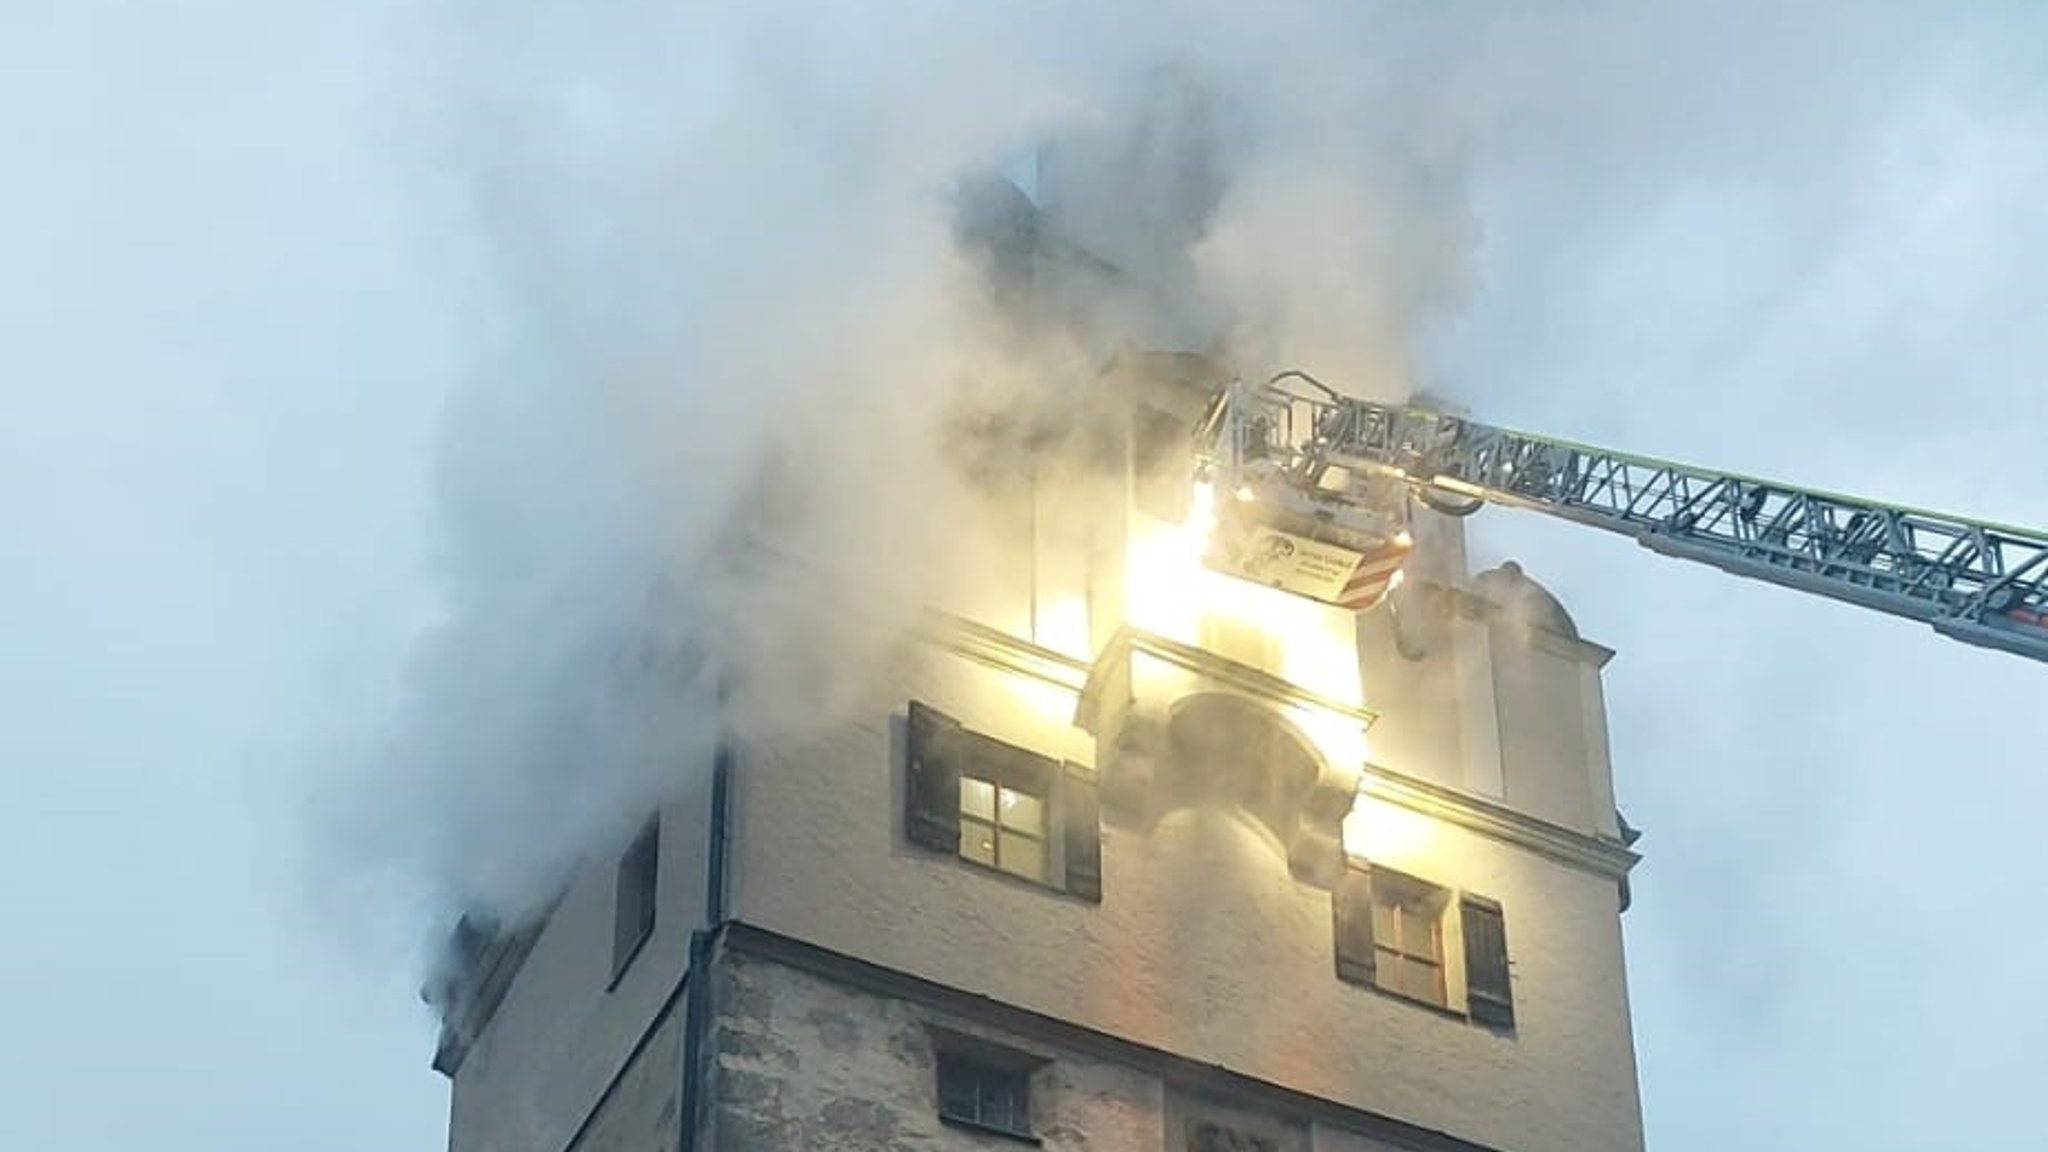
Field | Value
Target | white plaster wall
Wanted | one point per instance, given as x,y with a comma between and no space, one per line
1546,764
1202,945
643,1109
1599,759
559,1036
1421,731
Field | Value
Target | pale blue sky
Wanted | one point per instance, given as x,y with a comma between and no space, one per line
238,289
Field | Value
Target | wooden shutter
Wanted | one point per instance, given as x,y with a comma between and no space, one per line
931,792
633,897
1351,909
1490,1000
1081,827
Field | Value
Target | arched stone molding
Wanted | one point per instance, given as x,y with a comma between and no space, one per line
1225,750
1178,727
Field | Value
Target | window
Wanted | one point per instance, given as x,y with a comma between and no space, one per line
985,1093
1003,827
1209,1136
1407,937
634,899
1001,806
1202,1122
1389,933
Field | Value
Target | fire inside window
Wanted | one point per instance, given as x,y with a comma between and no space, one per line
1003,827
1407,938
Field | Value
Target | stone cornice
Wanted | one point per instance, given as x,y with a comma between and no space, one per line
1000,650
1590,853
1228,673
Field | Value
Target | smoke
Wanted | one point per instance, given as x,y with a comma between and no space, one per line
762,306
747,332
746,343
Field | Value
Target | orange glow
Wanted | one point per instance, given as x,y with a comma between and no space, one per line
1171,592
1062,626
1389,834
1052,703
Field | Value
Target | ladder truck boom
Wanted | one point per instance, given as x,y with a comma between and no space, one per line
1315,470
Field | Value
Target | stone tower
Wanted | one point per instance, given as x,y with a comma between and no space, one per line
1122,855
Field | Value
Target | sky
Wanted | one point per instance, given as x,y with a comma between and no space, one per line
306,470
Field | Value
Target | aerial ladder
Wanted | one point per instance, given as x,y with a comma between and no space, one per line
1314,492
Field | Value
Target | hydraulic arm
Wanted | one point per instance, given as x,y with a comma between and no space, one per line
1323,459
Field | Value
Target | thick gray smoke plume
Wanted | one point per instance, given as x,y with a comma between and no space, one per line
721,297
734,285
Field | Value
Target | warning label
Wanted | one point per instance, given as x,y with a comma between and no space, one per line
1282,560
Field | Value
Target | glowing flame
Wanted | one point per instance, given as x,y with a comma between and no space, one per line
1172,593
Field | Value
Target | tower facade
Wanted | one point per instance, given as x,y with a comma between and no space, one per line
1114,853
1124,855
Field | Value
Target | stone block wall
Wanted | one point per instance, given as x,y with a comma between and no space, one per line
802,1062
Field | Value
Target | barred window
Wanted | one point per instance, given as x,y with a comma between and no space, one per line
985,1093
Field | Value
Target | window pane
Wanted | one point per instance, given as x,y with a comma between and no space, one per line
1398,977
1023,855
1425,982
1418,933
998,1109
977,799
978,841
1418,980
1385,929
957,1091
1023,811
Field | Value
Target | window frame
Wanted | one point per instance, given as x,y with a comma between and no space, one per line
1409,898
972,823
939,753
1476,988
1206,1134
985,1067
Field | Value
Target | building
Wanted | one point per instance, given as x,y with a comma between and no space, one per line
1119,854
1135,857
